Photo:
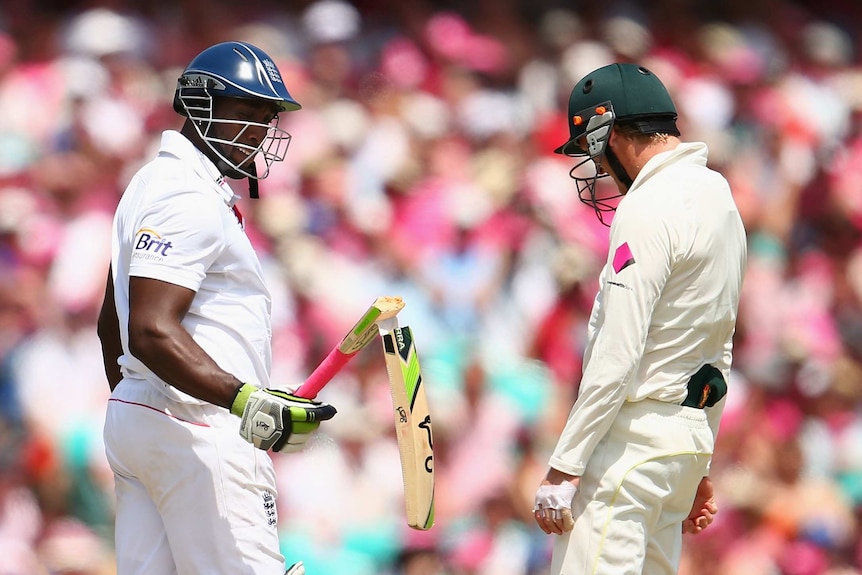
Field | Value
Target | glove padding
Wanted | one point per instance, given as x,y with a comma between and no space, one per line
296,569
278,420
554,503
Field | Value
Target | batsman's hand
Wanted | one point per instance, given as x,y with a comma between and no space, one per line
278,420
553,508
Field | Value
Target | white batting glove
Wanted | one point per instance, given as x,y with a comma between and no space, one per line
278,420
296,569
554,504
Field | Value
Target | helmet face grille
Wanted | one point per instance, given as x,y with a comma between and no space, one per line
597,122
197,105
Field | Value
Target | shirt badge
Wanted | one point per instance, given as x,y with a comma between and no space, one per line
623,257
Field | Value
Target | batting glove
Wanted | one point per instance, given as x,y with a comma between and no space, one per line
554,506
296,569
278,420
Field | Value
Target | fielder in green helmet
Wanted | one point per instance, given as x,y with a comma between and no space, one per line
629,98
630,472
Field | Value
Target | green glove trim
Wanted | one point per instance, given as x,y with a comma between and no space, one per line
304,427
289,397
238,406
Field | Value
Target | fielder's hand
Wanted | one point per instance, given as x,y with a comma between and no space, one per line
703,509
277,420
553,509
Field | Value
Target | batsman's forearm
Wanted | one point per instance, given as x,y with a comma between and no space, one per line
109,336
173,355
108,331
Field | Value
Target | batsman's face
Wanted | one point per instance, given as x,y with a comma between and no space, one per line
244,122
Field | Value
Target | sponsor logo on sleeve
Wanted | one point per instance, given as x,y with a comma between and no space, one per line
150,245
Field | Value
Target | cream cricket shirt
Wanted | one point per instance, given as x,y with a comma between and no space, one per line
667,301
175,223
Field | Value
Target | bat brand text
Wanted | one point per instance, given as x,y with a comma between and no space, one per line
426,425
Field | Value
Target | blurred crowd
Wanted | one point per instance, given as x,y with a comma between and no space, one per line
421,165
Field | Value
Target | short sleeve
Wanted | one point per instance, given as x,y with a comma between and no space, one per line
177,239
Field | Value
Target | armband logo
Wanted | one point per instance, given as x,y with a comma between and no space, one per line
623,258
150,245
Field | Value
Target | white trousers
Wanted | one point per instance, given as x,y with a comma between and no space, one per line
193,497
636,491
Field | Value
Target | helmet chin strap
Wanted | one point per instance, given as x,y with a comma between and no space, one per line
228,171
617,167
252,181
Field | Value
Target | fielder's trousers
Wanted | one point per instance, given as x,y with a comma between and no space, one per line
636,491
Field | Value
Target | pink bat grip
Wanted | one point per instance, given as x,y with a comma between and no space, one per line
323,373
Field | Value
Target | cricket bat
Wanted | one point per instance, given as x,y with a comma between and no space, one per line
360,335
412,422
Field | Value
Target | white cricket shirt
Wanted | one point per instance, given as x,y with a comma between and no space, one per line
175,223
667,301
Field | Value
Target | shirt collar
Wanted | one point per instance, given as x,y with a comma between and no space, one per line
175,144
685,152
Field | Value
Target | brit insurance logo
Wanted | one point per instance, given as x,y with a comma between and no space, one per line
149,245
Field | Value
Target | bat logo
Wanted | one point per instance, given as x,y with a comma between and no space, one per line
399,337
402,414
429,461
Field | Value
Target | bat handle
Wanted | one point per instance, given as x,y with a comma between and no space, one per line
323,373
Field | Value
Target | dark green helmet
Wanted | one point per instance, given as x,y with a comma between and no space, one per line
620,92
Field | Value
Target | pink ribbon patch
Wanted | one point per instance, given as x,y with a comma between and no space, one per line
623,258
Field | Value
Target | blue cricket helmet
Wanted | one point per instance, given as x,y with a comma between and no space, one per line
235,70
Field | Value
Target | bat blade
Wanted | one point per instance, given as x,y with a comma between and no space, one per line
412,423
360,335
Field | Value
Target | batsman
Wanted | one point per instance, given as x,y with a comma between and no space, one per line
185,330
630,471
